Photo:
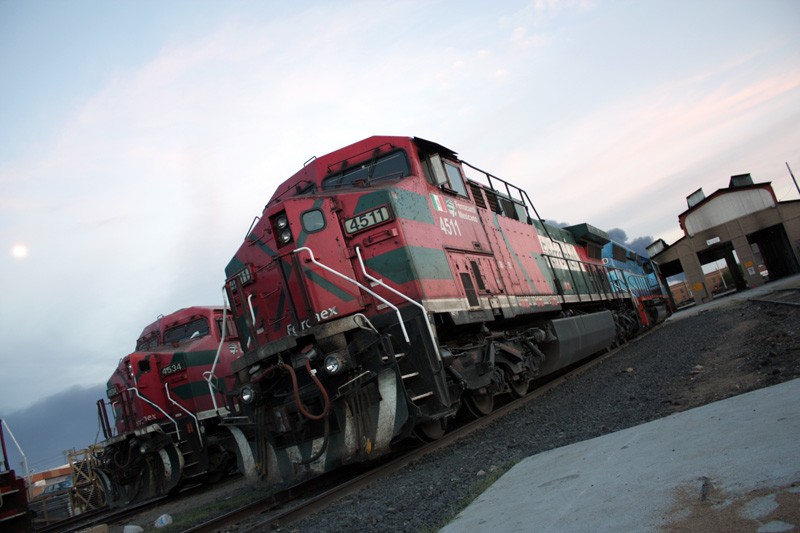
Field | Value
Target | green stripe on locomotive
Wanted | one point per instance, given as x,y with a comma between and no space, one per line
410,263
194,389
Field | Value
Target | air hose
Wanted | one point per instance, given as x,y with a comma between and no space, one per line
296,390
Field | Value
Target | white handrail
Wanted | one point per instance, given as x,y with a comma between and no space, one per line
360,285
174,422
403,296
209,375
370,328
24,458
252,311
196,423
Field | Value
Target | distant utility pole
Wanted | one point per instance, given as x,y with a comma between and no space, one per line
794,180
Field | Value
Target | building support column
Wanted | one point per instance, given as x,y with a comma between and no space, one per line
748,261
695,278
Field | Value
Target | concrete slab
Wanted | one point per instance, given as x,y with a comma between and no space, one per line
732,465
789,282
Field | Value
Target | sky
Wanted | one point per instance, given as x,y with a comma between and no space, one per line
138,140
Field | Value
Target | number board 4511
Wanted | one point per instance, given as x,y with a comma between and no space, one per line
367,219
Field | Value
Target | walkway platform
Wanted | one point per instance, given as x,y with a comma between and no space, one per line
732,465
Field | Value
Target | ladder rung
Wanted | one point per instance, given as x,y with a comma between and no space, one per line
421,396
397,357
411,375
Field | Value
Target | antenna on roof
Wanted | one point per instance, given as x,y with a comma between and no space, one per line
794,180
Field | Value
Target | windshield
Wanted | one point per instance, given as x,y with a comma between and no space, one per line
391,166
192,330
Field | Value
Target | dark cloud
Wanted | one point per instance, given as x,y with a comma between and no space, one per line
618,235
66,420
638,245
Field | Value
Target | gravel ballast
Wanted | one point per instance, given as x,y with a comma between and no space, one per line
684,363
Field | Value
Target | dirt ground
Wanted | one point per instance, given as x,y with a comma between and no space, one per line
706,508
761,347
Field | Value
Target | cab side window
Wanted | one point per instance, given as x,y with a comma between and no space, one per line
445,174
455,179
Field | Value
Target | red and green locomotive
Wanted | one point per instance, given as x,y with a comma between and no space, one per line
168,402
382,291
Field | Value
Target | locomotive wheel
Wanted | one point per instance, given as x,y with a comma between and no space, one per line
117,494
160,474
479,404
124,494
170,467
519,388
431,431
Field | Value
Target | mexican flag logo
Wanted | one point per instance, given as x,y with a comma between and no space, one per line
437,202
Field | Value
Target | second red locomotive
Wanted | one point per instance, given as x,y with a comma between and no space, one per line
168,403
382,291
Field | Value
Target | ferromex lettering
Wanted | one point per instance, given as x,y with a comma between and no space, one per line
319,316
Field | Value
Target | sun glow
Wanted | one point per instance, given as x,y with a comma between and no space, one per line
19,251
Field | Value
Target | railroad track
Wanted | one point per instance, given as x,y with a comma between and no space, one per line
284,508
95,517
106,516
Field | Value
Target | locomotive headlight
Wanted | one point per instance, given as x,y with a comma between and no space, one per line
248,394
285,236
334,363
281,222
